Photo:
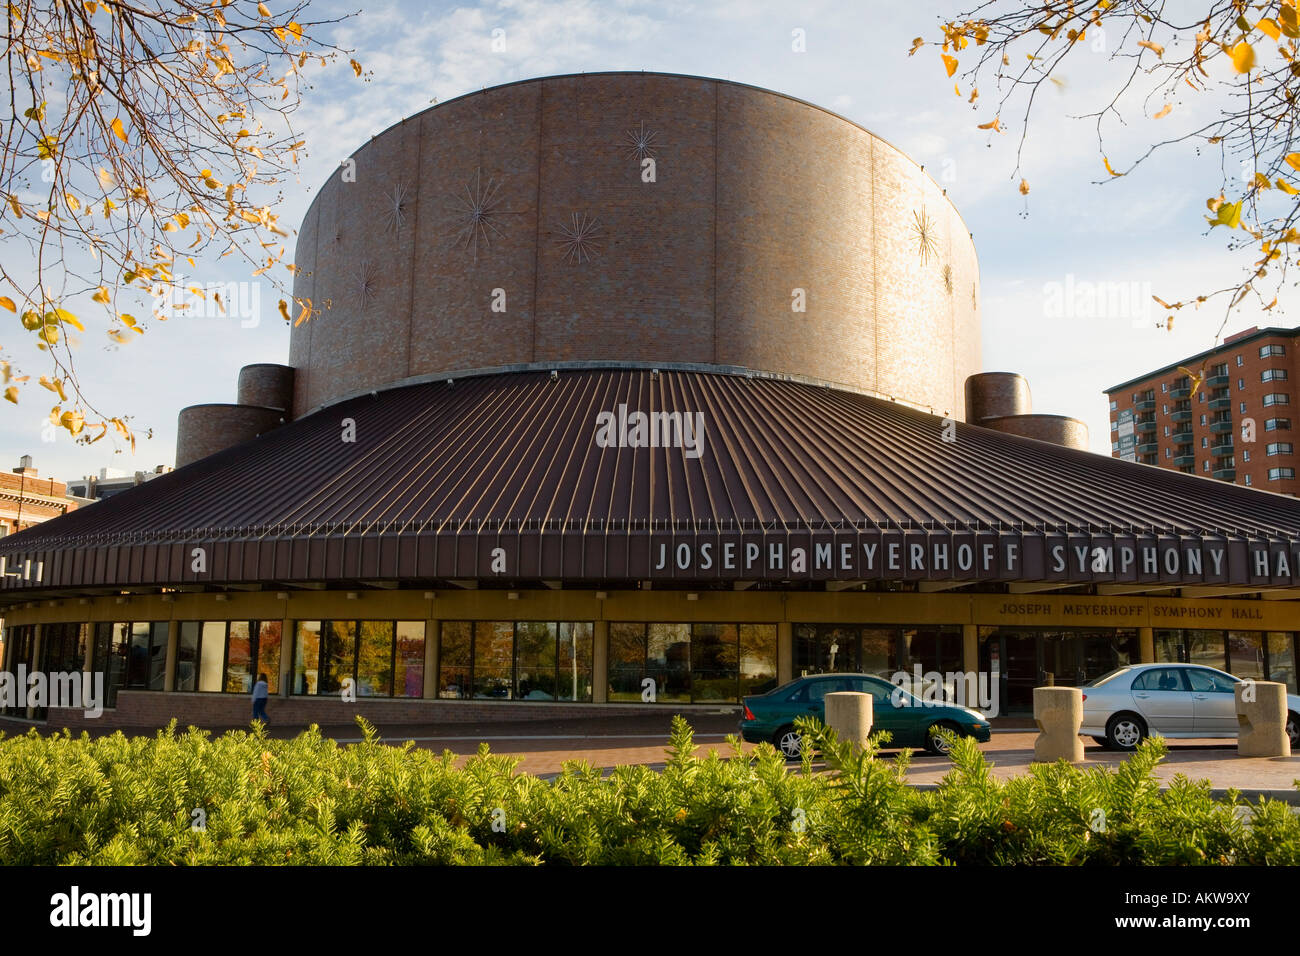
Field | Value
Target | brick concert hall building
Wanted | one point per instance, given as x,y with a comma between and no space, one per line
625,383
1237,425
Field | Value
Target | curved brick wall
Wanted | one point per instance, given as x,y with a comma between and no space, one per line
1058,429
756,194
265,384
203,430
996,395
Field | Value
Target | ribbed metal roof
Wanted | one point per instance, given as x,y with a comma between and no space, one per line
512,461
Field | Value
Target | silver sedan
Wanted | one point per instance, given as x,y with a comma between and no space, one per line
1124,707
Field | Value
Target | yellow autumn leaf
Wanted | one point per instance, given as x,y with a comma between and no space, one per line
1293,160
11,393
1024,187
1228,214
356,68
100,296
1164,112
949,63
264,10
106,178
1288,22
1243,57
118,130
1286,187
284,311
66,317
993,124
7,303
72,421
1155,48
1108,168
1268,26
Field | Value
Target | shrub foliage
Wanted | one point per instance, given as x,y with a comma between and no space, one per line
243,798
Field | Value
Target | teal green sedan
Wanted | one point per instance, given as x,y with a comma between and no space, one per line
911,722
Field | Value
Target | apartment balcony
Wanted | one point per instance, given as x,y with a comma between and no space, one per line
1181,415
1180,391
1221,428
1145,405
1182,461
1219,404
1222,446
1145,426
1225,474
1148,448
1217,381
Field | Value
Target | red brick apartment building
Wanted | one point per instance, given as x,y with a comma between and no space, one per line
1238,425
27,499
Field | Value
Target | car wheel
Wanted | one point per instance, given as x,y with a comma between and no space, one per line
1102,742
1293,728
934,743
1125,731
789,742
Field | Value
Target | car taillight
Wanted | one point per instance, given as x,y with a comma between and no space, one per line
748,714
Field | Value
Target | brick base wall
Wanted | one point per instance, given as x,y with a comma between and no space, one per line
150,710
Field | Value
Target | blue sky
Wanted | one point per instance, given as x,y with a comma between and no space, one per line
1145,231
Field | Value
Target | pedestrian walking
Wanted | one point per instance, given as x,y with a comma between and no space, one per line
260,693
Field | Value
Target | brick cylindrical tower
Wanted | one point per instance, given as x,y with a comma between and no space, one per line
635,217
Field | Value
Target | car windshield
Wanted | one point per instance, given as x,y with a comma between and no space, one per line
1109,675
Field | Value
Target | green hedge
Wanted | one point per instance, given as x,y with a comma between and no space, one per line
120,800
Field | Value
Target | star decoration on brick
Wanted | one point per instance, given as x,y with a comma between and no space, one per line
478,214
395,212
364,284
947,278
640,143
925,232
580,238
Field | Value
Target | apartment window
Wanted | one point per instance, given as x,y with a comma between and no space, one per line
1166,431
1277,398
1273,375
1114,426
1245,455
1205,442
1278,448
1114,446
1238,361
1248,479
1166,408
1241,384
1207,465
1114,405
1164,386
1202,398
1281,474
1276,424
1242,408
1169,452
1267,350
1135,396
1202,419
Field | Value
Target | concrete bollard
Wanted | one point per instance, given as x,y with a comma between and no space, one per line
849,714
1261,719
1058,711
